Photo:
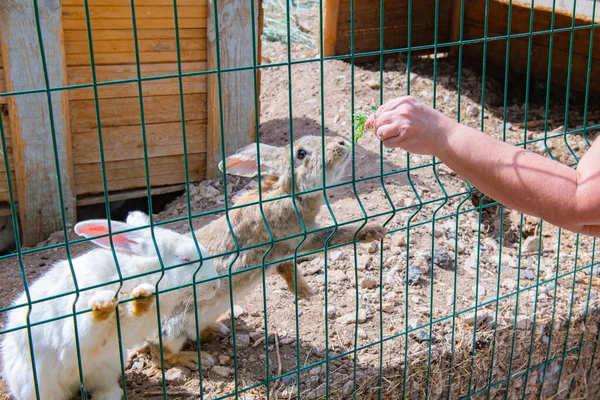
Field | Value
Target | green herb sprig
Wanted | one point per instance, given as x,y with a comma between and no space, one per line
359,123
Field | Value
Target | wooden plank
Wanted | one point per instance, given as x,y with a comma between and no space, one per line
141,12
144,23
80,75
142,34
165,87
126,3
125,195
125,142
330,17
238,90
124,46
126,111
131,174
128,58
38,191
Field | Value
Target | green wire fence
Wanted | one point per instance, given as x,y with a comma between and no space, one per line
502,337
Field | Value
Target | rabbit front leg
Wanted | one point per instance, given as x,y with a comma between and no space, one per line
103,303
344,234
143,295
286,270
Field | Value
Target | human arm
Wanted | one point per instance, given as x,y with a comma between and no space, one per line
519,179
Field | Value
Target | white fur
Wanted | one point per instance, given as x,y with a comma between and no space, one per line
54,342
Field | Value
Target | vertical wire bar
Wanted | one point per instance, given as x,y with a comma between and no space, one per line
593,358
148,191
387,195
416,193
61,198
548,78
458,118
15,223
444,202
475,310
226,201
555,279
573,284
104,180
356,195
327,204
589,75
535,304
294,203
187,195
568,89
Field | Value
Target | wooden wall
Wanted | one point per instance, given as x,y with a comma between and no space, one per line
496,51
366,24
119,105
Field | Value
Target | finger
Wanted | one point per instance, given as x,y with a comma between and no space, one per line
388,131
370,122
393,143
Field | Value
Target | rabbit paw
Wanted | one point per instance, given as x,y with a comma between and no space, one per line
144,298
371,232
103,304
218,329
187,357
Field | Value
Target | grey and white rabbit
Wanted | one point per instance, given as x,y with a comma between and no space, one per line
54,346
250,230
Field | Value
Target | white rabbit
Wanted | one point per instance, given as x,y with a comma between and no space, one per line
54,345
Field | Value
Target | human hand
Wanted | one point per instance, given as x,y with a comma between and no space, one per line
407,123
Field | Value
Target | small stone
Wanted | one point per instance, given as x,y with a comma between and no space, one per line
484,319
137,365
286,340
334,255
315,266
242,340
531,244
373,84
256,335
362,334
422,336
472,111
442,259
550,287
545,339
363,261
318,392
331,311
387,307
350,318
369,282
414,275
373,247
472,262
399,239
222,371
177,375
348,388
508,260
315,379
289,380
238,311
528,275
224,359
523,322
336,276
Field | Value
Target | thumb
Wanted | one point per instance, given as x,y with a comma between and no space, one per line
370,121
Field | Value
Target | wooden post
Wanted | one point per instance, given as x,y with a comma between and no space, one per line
331,9
237,88
36,176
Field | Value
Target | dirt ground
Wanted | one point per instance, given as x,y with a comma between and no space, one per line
475,257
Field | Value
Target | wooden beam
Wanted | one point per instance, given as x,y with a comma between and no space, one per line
37,186
237,88
330,29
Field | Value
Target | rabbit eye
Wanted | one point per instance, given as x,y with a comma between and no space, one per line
301,154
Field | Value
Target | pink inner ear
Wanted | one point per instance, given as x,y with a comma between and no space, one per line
97,230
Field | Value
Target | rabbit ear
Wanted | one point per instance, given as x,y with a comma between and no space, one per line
243,162
128,242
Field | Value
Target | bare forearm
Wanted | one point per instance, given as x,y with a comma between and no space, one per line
520,179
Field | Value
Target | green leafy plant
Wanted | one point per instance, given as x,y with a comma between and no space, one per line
359,123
